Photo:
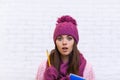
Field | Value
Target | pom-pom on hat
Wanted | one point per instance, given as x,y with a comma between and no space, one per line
66,25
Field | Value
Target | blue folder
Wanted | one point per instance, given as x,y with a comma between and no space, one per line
76,77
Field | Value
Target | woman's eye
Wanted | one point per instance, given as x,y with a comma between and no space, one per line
59,38
69,38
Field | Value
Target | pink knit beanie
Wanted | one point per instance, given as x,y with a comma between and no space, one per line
66,25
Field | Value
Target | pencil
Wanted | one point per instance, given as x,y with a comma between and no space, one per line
48,58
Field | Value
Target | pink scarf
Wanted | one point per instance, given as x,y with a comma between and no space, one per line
64,66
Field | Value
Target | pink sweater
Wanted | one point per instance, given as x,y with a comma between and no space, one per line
88,73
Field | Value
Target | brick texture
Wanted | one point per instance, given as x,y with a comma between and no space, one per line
26,31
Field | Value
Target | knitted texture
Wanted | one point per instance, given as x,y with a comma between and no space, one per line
66,25
88,73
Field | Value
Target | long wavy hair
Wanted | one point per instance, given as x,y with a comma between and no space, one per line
74,60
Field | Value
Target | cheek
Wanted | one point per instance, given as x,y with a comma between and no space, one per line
58,45
71,43
71,46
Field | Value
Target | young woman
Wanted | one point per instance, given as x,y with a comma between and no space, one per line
65,58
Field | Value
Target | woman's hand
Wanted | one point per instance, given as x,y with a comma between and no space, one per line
50,73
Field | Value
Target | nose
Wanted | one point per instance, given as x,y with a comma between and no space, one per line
64,42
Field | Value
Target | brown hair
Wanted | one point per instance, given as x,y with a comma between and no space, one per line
73,64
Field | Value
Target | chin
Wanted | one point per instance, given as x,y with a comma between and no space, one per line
65,54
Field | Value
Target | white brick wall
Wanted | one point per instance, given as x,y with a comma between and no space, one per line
26,30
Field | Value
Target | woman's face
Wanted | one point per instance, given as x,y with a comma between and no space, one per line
65,44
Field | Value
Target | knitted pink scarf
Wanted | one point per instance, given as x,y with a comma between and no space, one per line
64,66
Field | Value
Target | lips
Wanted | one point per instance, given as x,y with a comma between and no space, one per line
64,49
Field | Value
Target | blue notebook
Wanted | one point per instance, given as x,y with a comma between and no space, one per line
76,77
